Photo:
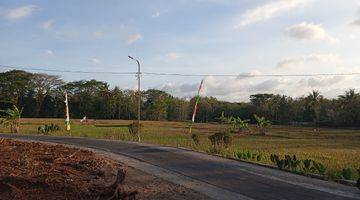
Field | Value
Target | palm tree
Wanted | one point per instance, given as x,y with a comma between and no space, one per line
12,119
314,99
349,102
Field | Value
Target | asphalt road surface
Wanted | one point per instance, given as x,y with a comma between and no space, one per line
216,177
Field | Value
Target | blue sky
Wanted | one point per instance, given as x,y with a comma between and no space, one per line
189,36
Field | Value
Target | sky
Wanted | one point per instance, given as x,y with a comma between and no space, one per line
236,37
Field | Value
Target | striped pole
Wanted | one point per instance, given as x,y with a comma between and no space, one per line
67,115
197,99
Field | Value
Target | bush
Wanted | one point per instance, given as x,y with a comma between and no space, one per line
220,139
195,138
289,162
135,129
47,128
320,168
346,174
280,163
307,165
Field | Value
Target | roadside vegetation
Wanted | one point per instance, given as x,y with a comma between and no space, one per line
335,149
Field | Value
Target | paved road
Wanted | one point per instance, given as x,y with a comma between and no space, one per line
237,180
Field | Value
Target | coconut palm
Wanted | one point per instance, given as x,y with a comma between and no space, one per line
11,119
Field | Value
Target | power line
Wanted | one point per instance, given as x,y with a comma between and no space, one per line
67,71
184,75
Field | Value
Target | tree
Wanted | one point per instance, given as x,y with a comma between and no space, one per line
314,103
14,85
44,85
12,119
156,104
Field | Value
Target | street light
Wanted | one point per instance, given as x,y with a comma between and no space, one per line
139,94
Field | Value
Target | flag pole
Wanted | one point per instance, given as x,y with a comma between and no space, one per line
197,99
67,115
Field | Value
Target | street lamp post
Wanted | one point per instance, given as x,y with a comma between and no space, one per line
139,94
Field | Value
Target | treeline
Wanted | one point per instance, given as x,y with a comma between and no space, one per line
42,95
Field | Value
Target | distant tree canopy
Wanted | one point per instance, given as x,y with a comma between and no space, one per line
42,95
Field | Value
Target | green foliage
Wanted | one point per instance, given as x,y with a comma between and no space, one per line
41,95
48,128
220,139
242,124
291,162
262,124
11,119
234,124
347,174
318,167
196,138
248,155
259,157
307,165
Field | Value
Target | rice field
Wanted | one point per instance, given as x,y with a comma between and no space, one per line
335,148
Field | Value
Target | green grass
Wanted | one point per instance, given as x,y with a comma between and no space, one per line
335,148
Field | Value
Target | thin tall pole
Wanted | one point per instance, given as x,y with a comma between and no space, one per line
139,93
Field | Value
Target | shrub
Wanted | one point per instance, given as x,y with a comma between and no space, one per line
135,129
346,174
280,163
307,165
259,157
220,139
195,138
292,163
12,119
289,162
320,168
47,128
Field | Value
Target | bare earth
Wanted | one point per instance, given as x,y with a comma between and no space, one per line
32,170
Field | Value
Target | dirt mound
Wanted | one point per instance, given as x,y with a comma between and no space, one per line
31,170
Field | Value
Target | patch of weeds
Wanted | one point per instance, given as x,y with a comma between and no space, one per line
196,138
47,128
346,174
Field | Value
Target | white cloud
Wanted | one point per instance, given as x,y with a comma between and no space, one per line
133,38
156,14
356,22
97,34
324,81
269,10
96,60
47,25
49,52
310,32
20,12
312,58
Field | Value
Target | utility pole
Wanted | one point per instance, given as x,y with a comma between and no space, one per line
139,94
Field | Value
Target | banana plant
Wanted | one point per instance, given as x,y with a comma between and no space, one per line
11,119
262,124
242,124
